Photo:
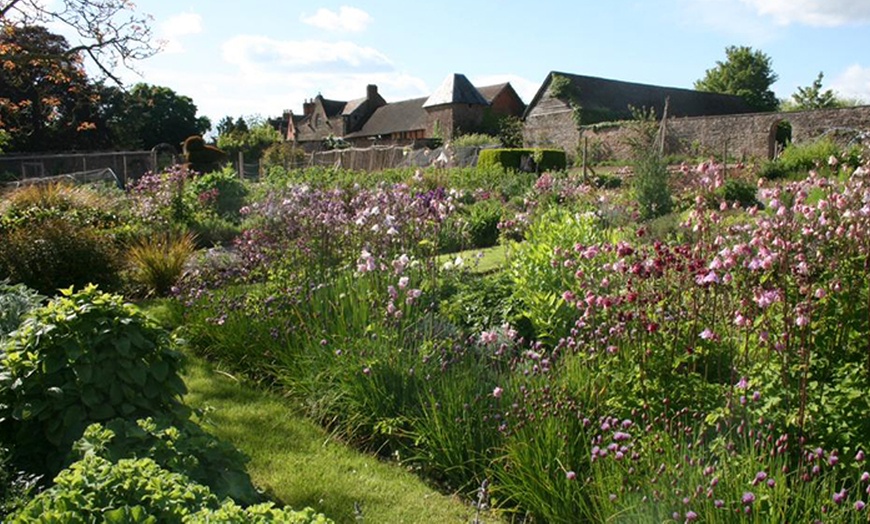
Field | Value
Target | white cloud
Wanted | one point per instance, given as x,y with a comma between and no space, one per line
348,19
854,82
730,17
259,54
523,86
820,13
173,29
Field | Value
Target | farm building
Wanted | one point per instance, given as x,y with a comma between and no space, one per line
457,106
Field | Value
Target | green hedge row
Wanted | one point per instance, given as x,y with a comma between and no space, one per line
546,159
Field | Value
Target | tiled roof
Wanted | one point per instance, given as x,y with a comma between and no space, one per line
407,115
456,89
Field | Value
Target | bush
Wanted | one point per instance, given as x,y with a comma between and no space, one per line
178,446
799,159
476,140
220,192
139,490
58,253
15,302
544,159
158,261
85,357
483,219
737,191
651,186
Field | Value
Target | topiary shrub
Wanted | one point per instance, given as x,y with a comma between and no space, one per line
200,157
85,357
221,192
58,253
541,159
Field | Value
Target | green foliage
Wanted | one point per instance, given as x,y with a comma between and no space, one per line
483,219
538,282
85,357
15,302
154,115
746,73
58,253
562,88
512,159
650,186
510,131
799,159
158,260
179,446
737,191
283,154
812,96
95,489
221,192
251,142
476,140
478,303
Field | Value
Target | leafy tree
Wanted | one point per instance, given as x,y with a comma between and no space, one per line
745,72
108,32
812,97
46,101
154,115
252,141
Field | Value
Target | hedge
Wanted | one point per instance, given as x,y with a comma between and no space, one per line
547,159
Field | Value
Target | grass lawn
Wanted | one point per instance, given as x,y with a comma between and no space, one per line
483,260
300,465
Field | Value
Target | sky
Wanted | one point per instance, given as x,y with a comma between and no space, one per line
261,57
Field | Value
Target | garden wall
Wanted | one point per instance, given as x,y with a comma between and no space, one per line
742,136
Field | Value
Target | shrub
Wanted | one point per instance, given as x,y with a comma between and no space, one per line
158,261
544,159
220,192
178,446
85,357
58,253
798,159
15,301
483,219
139,490
476,140
650,186
79,204
737,191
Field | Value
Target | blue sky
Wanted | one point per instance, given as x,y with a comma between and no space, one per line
260,57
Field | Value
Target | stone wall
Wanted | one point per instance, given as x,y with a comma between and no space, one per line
749,136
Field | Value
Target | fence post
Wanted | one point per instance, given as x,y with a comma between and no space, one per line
241,165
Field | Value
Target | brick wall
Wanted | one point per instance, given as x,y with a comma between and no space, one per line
744,136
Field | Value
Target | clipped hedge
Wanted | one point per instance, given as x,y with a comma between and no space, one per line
543,159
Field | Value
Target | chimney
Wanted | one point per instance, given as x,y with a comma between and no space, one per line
308,108
371,92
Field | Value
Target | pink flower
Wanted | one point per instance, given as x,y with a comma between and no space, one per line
707,334
497,392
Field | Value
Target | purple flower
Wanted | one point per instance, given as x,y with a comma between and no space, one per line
748,498
621,436
691,516
719,503
761,476
859,505
570,475
859,457
839,496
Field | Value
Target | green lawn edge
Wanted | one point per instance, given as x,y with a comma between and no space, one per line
297,463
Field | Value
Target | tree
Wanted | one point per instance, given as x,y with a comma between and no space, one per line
746,73
46,102
812,97
154,115
108,32
252,141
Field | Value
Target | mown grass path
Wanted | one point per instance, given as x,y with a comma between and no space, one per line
300,465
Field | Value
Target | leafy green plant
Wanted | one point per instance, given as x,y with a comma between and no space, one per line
220,192
15,302
58,253
483,219
180,446
158,261
95,489
85,357
476,140
511,159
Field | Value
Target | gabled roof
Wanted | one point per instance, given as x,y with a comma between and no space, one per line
332,107
407,115
490,92
614,97
352,106
456,89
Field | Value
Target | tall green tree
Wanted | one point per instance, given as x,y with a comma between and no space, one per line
154,115
812,97
747,73
251,140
